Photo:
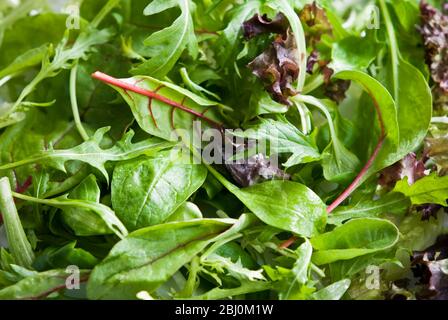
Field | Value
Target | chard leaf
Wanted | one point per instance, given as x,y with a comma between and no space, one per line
175,38
39,285
150,256
355,238
90,152
161,107
146,192
429,189
388,136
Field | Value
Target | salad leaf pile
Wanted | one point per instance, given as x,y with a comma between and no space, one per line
105,193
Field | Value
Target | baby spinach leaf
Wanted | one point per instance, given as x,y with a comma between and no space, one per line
148,257
353,53
186,211
385,106
355,238
84,222
90,152
147,191
430,189
285,205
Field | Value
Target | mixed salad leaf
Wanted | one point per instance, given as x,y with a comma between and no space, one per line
223,149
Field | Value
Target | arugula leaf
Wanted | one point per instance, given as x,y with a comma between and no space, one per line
172,40
334,291
90,152
51,67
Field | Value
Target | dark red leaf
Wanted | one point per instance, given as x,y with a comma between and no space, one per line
437,149
278,68
434,30
252,169
335,90
312,60
317,21
408,167
430,268
262,24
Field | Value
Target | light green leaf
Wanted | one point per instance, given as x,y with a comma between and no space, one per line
353,239
18,242
285,205
391,203
429,189
334,291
